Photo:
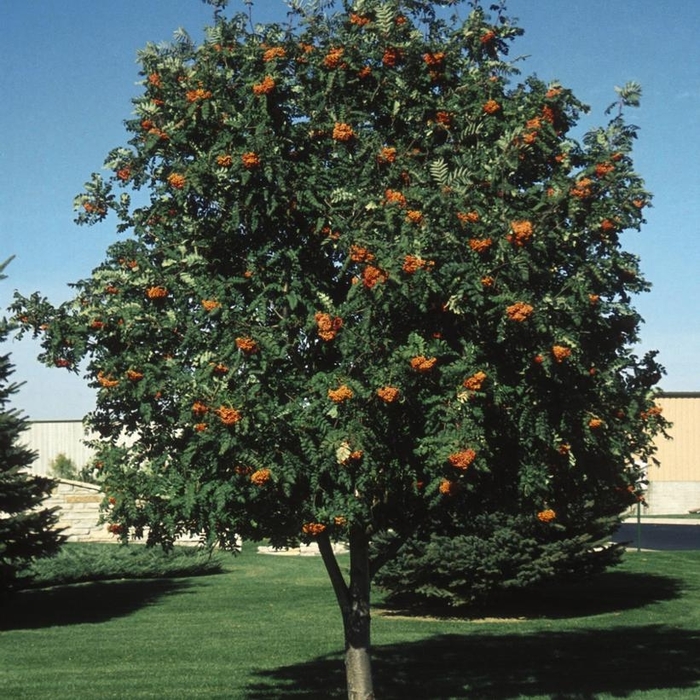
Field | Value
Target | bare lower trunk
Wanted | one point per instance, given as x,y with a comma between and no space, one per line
354,605
358,673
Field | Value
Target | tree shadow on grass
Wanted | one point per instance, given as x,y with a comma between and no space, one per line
80,603
612,591
575,665
561,665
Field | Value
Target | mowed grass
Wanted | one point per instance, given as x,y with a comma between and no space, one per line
268,627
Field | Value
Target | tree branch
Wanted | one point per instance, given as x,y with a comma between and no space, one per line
340,587
387,553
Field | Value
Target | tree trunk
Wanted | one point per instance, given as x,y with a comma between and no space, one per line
353,600
356,620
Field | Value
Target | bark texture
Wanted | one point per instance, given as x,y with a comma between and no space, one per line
353,599
358,672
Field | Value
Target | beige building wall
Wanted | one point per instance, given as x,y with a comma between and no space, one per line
679,456
674,485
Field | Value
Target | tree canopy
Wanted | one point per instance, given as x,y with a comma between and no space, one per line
367,280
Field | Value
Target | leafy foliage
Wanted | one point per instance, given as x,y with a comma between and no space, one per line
63,467
368,282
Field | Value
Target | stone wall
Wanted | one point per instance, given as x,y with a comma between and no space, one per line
80,511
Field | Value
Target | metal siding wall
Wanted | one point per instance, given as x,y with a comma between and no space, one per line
51,438
679,457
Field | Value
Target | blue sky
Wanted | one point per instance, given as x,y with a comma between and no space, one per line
70,71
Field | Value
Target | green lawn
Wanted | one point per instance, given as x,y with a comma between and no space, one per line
268,628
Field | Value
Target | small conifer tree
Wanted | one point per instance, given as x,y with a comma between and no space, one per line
63,467
27,531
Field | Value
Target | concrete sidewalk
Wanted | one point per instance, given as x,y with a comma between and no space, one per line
660,520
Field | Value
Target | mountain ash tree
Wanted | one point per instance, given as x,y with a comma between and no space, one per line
368,285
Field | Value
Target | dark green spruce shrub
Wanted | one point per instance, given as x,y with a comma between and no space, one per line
492,554
80,562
